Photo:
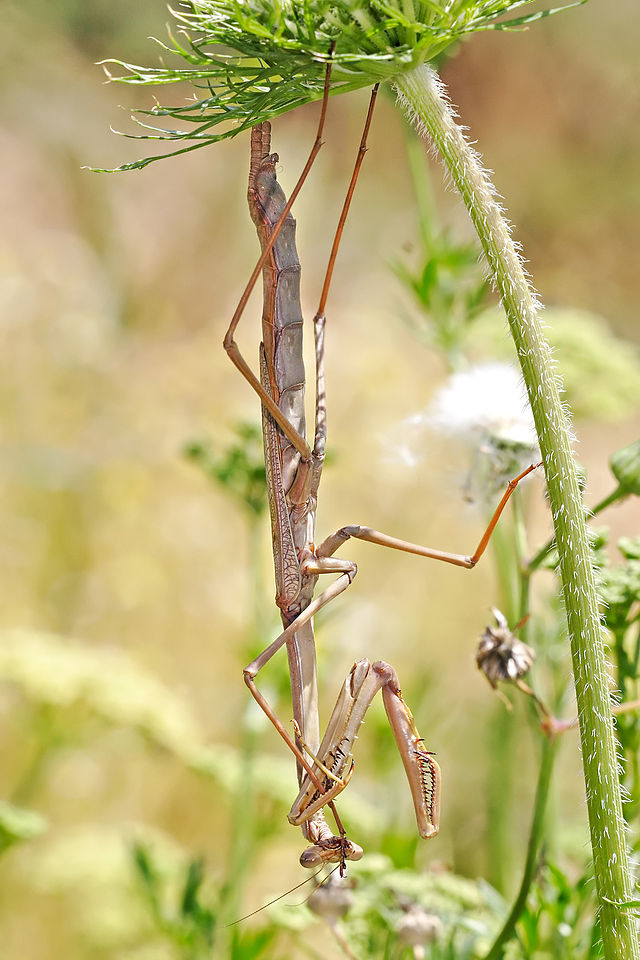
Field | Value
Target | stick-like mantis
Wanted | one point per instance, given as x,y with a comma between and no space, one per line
293,475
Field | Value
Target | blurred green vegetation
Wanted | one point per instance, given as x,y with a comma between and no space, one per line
135,589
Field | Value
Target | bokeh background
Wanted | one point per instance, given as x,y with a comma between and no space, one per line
115,291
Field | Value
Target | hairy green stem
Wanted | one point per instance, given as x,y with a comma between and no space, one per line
535,837
424,99
618,494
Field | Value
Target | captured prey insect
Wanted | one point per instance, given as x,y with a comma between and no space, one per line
293,471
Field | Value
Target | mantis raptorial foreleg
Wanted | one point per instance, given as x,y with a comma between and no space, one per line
331,768
334,762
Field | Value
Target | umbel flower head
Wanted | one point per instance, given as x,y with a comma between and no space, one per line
500,655
255,60
486,407
485,404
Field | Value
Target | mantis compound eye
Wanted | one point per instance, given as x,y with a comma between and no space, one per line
312,857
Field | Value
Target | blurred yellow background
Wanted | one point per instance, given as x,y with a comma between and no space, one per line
115,291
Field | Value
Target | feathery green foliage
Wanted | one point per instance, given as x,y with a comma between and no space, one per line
18,824
253,61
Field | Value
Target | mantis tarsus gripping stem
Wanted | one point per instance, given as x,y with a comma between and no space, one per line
293,476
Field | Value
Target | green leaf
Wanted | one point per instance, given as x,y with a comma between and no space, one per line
143,865
518,22
624,904
18,825
625,466
193,882
259,59
239,469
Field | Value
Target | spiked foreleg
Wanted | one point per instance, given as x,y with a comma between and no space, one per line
333,763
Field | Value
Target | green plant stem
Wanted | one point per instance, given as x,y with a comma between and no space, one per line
524,581
533,846
545,550
503,730
48,739
422,95
501,736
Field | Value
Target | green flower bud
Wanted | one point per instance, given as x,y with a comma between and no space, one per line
625,466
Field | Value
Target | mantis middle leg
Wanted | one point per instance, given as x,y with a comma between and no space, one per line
332,543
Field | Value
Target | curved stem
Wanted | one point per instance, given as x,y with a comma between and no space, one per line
535,837
423,97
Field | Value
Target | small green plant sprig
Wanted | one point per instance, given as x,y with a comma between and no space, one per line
447,283
18,824
239,469
187,924
253,61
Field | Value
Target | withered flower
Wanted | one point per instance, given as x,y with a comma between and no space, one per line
500,655
417,927
331,899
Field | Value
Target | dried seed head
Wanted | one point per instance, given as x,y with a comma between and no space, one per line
332,899
500,655
417,927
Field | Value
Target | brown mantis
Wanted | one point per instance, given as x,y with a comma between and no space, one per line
293,470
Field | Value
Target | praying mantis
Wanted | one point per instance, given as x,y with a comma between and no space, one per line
293,471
